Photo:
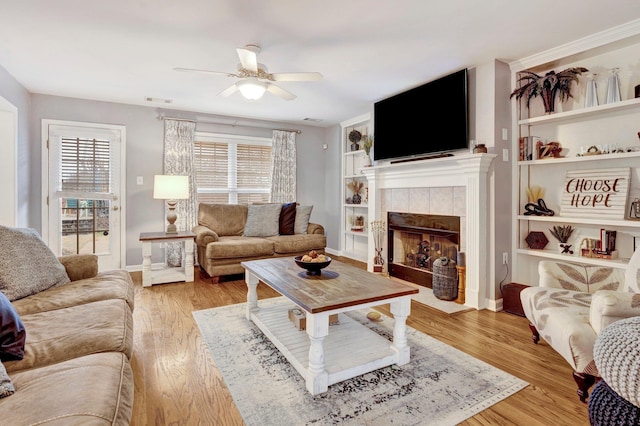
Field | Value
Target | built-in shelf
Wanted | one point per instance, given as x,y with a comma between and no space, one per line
581,113
357,206
550,254
601,157
358,234
623,223
360,151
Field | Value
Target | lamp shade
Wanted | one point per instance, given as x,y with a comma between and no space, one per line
251,88
166,187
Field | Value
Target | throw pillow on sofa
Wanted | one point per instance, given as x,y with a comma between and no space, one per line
303,214
12,333
27,265
288,219
263,220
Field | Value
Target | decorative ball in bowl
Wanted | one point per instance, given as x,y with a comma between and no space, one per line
313,266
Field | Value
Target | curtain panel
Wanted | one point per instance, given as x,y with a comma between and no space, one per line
178,160
283,167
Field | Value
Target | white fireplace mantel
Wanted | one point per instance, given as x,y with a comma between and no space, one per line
472,171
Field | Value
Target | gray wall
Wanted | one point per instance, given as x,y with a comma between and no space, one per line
144,151
16,94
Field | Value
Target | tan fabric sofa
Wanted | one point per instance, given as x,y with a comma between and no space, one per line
221,245
75,369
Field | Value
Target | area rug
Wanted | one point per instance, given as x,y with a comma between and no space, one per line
440,386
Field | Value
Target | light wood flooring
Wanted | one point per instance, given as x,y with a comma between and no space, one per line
177,382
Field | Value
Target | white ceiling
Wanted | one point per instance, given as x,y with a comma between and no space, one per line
125,50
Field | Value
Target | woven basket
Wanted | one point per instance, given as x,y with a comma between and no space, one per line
445,279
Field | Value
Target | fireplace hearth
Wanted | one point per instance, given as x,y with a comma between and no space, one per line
415,241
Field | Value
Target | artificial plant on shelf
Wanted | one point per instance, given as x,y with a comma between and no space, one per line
547,86
562,233
366,146
356,186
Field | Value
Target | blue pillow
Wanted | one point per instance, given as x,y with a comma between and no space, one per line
12,332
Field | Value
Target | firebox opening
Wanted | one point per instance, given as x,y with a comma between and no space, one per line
415,241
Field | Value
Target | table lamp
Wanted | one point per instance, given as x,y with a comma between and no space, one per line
171,188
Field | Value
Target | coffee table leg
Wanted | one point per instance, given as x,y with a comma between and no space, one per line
401,308
252,293
317,378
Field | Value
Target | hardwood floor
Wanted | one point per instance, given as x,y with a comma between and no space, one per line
178,383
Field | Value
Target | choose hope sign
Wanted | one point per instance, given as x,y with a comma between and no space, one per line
596,193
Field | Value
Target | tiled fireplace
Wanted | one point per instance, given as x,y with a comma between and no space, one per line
453,186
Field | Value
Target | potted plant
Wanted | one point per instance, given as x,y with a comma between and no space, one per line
562,234
547,86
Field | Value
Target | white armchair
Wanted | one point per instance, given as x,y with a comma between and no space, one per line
573,303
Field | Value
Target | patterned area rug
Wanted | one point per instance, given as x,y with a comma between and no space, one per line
440,386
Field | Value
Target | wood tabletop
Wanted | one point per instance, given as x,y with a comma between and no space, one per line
150,236
340,285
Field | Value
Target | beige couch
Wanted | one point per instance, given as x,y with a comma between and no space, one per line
79,339
222,243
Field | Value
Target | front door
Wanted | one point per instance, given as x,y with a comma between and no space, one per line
84,190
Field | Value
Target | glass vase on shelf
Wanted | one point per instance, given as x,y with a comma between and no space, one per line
613,86
591,95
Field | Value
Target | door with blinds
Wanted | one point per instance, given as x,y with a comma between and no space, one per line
84,192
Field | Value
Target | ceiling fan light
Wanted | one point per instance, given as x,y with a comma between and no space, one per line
251,88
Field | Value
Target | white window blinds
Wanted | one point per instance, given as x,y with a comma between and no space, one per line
232,170
85,165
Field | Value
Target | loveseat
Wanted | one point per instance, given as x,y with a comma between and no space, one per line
574,303
228,234
74,368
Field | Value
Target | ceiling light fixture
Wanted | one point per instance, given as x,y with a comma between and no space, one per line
251,88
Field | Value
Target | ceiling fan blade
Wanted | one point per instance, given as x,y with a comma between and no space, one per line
205,71
279,91
249,57
229,90
297,76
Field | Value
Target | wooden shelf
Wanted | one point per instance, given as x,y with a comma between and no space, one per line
602,157
622,223
550,254
581,113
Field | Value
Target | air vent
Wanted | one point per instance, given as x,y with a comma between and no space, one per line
158,100
315,120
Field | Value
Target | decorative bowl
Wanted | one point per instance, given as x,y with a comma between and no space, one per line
313,268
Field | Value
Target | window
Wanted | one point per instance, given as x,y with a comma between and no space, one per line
232,169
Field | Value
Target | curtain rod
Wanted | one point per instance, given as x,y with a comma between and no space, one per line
162,117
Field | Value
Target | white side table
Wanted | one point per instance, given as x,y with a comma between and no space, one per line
166,275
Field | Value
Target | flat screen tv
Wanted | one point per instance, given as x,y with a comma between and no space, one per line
427,120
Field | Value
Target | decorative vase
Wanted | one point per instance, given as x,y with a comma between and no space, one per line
565,248
613,86
367,160
355,147
357,199
548,96
591,95
479,149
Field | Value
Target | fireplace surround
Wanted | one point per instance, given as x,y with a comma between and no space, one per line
474,173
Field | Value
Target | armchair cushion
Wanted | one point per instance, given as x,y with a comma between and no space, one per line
610,306
562,319
574,277
12,333
22,248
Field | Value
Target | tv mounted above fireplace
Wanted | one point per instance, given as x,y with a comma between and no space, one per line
424,121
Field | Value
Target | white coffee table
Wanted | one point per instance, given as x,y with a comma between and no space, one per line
326,355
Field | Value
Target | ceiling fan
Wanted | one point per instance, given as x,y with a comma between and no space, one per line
254,77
